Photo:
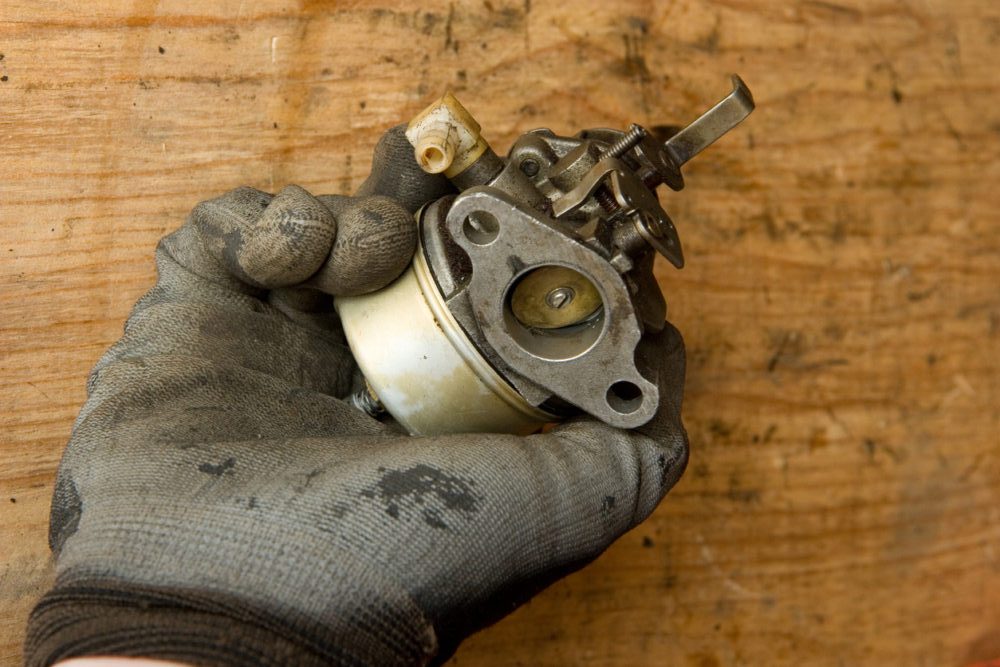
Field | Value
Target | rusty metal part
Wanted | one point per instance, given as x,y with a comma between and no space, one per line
365,400
632,198
661,166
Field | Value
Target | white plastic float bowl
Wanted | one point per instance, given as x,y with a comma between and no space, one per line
423,368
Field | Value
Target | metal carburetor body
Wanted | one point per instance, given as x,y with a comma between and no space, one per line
531,288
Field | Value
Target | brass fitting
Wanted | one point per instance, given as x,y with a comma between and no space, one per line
445,137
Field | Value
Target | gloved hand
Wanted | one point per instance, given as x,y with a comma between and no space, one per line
219,504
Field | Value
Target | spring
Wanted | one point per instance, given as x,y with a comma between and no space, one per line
635,134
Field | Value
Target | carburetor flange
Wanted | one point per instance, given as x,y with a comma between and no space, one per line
581,362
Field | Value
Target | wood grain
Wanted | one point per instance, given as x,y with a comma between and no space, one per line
841,302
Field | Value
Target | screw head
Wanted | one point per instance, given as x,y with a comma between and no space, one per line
529,167
559,297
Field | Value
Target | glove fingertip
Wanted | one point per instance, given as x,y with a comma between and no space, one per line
290,241
266,240
375,242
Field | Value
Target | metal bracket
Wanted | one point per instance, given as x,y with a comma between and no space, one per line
635,200
591,365
649,218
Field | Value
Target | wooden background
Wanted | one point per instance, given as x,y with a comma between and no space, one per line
841,302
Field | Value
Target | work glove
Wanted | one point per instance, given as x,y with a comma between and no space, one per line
220,503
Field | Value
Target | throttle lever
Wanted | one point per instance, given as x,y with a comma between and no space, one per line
703,132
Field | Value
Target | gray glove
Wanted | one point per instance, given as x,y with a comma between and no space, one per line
219,504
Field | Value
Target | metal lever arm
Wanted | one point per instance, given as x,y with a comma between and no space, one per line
712,124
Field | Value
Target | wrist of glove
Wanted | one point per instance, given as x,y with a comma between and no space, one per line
220,504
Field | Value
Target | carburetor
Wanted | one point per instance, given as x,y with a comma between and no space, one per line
531,288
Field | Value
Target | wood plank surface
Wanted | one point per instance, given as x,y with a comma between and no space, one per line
841,303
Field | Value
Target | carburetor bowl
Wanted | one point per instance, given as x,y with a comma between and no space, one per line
422,366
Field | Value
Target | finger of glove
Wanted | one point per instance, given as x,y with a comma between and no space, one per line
656,452
376,237
395,173
263,241
308,308
663,354
197,309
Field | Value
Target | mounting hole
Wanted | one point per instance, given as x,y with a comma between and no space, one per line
624,397
481,228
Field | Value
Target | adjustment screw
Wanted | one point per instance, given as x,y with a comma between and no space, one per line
529,167
635,134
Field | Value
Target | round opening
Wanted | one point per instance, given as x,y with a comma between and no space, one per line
433,159
481,228
554,312
624,397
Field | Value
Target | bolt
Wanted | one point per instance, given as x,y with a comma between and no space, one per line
635,134
529,167
365,400
559,297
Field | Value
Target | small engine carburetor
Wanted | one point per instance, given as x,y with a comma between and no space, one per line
531,288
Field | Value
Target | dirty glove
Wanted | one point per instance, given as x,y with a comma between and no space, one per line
220,504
